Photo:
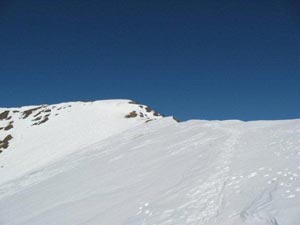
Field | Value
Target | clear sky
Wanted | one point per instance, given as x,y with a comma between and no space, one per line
208,59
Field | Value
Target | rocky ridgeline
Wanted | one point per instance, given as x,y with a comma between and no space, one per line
145,113
42,114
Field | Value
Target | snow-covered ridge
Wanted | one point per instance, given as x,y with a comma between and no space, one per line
103,163
33,136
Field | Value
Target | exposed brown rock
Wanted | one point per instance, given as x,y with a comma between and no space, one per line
5,142
38,113
4,115
9,126
28,112
156,113
42,121
177,120
148,109
131,114
37,118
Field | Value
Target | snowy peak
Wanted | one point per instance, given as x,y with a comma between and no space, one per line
38,115
49,132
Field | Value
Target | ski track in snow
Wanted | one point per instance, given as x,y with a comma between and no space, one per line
206,198
255,213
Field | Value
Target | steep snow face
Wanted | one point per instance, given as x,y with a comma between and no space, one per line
31,137
166,173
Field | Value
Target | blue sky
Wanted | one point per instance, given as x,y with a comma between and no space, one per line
192,59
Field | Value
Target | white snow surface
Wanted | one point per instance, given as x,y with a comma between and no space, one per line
91,166
70,127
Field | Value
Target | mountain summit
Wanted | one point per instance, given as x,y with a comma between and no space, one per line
33,136
117,162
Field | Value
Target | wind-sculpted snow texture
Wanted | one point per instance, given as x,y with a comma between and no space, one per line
165,173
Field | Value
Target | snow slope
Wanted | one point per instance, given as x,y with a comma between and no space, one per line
163,173
44,134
